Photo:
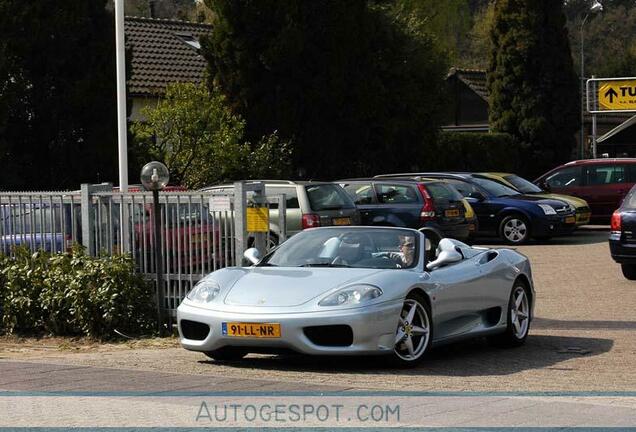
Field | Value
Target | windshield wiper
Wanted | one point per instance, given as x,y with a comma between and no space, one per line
266,265
324,265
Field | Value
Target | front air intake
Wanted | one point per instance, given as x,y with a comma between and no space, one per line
194,330
330,335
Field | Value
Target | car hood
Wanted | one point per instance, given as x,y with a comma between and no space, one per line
290,286
538,199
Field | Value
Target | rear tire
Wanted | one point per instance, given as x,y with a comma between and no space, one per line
227,354
518,318
629,271
514,229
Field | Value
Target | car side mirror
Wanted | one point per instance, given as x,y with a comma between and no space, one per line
477,195
445,257
545,186
253,255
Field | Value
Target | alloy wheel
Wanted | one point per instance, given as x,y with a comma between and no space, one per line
413,332
515,230
520,313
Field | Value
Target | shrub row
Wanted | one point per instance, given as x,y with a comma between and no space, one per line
73,294
469,151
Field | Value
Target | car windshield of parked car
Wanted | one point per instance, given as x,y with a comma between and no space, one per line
328,197
358,248
521,184
495,188
630,200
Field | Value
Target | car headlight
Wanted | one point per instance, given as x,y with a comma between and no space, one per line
547,209
204,292
351,295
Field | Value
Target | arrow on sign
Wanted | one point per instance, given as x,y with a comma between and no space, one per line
611,93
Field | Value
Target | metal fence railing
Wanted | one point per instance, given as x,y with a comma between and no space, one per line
39,220
196,238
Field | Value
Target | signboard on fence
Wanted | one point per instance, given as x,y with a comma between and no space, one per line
219,203
257,219
617,95
611,95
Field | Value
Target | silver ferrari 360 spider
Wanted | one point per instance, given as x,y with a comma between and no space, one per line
360,290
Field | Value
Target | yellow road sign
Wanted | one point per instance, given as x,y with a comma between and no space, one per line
257,219
617,95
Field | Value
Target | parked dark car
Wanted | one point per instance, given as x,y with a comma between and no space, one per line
410,203
622,240
603,183
504,211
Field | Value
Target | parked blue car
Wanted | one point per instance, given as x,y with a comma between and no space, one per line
36,226
504,211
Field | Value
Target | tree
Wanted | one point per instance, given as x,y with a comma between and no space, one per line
57,93
610,41
164,9
201,142
476,49
533,88
449,21
354,85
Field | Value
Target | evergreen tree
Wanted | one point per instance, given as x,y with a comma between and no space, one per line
533,88
57,93
355,87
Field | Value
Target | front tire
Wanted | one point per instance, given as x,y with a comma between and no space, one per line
414,332
518,318
227,354
514,230
629,271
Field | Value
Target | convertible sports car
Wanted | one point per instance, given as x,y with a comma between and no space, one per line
360,290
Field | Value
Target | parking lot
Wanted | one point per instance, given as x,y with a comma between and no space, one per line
583,339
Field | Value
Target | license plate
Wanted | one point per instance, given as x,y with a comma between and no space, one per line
570,220
451,213
584,217
342,221
251,330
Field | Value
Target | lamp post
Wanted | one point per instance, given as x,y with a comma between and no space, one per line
595,8
154,177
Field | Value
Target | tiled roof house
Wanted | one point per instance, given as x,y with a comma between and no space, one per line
162,52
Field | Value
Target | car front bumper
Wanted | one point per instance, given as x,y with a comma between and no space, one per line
373,329
553,226
583,215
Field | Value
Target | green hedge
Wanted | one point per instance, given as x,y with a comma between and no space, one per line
472,151
73,294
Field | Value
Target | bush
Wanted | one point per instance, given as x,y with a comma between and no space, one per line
73,294
469,151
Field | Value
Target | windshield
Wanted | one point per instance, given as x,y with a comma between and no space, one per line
328,197
521,184
347,247
495,188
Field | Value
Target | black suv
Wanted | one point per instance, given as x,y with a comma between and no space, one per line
410,203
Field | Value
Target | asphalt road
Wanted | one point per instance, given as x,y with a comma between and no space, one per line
583,340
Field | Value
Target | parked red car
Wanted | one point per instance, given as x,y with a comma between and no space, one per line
603,183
